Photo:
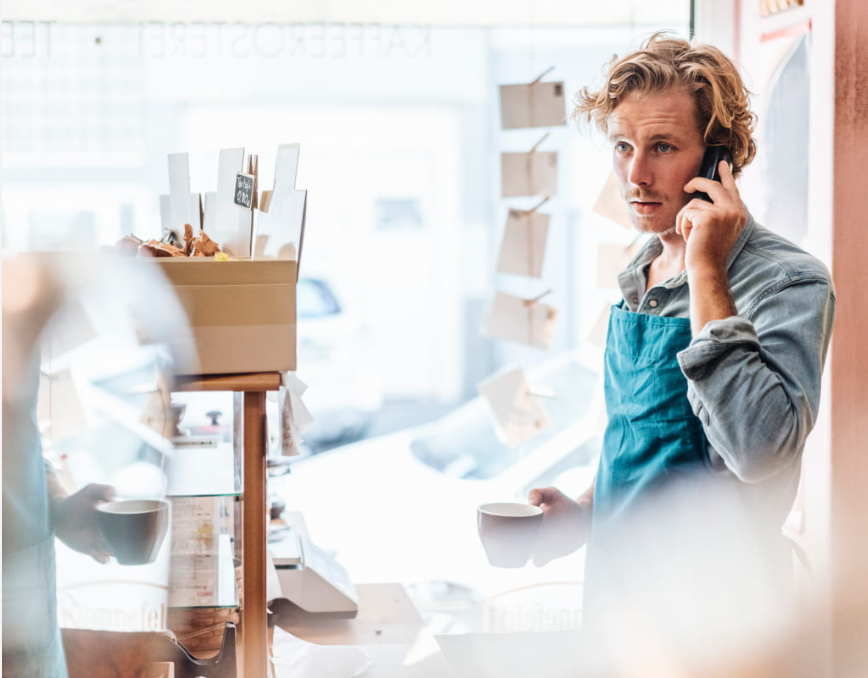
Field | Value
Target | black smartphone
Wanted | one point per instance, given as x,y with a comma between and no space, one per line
710,163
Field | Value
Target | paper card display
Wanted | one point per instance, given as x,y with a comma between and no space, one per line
233,224
520,320
209,212
529,174
518,413
538,104
523,246
280,227
611,260
180,206
168,224
611,205
184,207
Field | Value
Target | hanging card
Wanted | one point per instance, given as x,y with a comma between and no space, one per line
521,320
538,104
523,246
529,174
518,413
611,205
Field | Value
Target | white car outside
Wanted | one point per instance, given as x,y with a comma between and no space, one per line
335,352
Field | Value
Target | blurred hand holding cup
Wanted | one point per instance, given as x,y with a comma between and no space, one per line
133,529
508,531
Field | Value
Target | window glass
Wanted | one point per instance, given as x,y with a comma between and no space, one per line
464,444
314,299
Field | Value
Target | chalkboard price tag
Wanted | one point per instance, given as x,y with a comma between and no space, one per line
244,190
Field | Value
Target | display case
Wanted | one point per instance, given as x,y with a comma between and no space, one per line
236,471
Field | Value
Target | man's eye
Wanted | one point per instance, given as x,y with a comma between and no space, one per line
622,146
663,147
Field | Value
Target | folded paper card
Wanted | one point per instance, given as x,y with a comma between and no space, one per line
537,104
611,205
529,174
524,321
280,226
232,224
180,206
518,413
611,260
523,246
294,415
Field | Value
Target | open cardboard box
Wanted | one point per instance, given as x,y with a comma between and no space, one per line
241,313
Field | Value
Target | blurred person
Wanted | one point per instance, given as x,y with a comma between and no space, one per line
35,506
713,362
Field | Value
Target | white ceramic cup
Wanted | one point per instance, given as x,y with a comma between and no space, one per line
508,531
133,529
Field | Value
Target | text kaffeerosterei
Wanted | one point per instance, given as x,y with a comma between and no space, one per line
206,40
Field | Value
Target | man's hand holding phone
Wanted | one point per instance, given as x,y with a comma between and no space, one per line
711,229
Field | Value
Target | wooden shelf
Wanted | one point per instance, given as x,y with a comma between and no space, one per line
253,648
248,383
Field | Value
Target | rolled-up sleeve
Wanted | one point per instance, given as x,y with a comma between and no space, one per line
754,381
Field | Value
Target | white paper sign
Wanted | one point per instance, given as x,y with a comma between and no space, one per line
184,207
529,174
523,247
233,223
280,227
611,205
539,104
518,414
168,223
520,320
294,415
209,213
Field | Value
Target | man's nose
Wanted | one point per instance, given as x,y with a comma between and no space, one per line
640,170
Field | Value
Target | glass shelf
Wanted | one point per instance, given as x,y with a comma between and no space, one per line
202,567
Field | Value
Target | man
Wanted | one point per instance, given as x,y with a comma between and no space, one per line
714,356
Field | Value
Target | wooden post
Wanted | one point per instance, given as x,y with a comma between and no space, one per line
253,613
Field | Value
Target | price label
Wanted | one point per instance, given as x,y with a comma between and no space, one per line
244,190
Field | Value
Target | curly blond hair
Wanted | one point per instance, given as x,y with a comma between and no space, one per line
662,62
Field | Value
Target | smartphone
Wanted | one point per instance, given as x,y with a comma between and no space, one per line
710,163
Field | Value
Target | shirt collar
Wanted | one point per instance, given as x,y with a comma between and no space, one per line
653,247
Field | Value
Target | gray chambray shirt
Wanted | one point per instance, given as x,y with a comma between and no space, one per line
753,379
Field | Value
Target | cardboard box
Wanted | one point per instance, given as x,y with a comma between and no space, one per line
241,313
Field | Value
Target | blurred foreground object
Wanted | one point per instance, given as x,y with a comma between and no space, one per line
97,326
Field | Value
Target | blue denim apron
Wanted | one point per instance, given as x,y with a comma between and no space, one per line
652,442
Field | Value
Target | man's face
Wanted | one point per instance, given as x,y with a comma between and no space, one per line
657,149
